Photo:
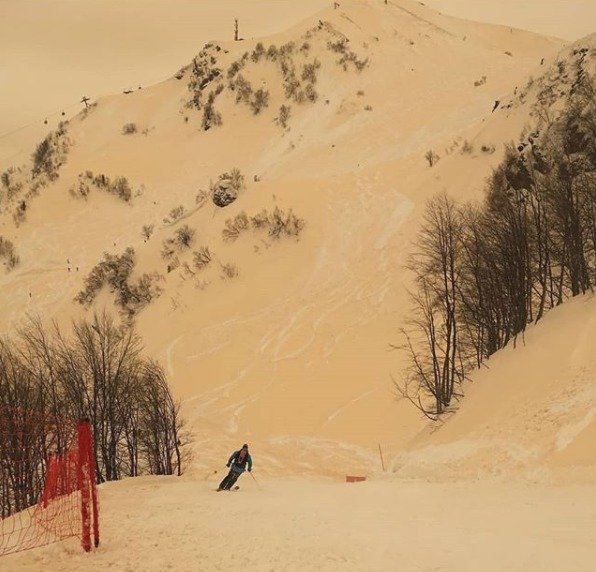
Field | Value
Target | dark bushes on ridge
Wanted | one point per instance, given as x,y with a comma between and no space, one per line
115,272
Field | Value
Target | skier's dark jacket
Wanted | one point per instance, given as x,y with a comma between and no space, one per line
240,468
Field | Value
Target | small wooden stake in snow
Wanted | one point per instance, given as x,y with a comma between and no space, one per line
381,454
354,479
236,30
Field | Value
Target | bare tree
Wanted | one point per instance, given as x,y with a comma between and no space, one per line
436,266
48,381
484,272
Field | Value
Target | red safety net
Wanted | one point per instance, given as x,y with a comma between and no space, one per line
47,481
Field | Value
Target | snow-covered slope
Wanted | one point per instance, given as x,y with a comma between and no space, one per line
292,353
157,524
531,412
294,349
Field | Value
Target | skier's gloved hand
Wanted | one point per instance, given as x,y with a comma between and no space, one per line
228,465
249,470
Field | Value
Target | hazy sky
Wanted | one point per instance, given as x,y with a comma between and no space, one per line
52,52
568,19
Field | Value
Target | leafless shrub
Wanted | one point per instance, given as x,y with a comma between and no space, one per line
368,108
173,263
115,272
211,117
292,88
272,53
120,187
175,214
282,119
260,220
258,53
147,231
488,149
229,271
184,237
8,252
51,154
431,157
310,93
20,213
168,249
144,291
350,57
480,82
234,227
284,224
243,89
12,182
182,240
129,129
202,257
287,49
309,71
257,100
287,68
83,186
467,148
360,93
260,101
235,68
205,74
339,47
201,197
12,261
187,270
278,223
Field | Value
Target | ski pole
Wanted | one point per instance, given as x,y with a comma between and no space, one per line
254,479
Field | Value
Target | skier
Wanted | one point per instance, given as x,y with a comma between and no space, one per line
237,462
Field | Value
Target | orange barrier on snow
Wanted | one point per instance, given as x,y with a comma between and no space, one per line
354,479
47,481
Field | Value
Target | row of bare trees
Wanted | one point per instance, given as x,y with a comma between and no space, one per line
483,272
49,380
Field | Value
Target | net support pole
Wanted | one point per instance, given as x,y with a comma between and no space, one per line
86,485
93,487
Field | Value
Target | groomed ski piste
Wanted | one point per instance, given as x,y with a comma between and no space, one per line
494,490
293,355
